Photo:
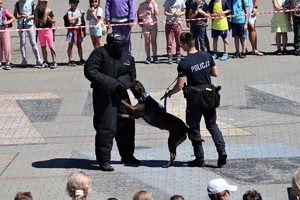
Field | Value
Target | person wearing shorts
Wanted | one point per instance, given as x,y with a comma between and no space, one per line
95,17
240,26
44,22
219,8
148,11
76,34
253,5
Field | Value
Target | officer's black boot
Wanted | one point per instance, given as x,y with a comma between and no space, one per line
198,162
222,157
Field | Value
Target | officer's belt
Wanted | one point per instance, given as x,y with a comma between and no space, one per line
202,87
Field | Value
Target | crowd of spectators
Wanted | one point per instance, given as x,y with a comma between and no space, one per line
79,186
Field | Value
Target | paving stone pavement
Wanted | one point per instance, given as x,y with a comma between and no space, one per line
46,124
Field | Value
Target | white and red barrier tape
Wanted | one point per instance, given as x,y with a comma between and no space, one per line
158,22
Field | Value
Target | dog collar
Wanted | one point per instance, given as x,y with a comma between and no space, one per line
143,97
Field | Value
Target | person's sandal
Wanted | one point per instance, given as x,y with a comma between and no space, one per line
258,53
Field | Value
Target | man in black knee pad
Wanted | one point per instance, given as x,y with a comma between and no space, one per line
110,72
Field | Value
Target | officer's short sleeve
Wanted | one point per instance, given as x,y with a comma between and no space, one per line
212,62
181,70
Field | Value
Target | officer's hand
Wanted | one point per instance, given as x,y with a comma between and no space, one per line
167,94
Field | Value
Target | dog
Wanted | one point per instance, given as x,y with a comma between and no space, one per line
153,113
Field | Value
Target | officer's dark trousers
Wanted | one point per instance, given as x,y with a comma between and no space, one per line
193,117
108,125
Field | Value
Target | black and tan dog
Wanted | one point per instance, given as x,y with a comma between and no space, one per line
154,114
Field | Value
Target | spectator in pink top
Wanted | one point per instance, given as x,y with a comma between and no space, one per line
148,10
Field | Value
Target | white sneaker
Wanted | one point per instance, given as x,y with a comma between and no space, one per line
39,62
44,65
7,67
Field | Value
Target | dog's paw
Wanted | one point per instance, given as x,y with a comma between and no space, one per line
167,165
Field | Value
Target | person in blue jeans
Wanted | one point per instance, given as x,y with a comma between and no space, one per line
198,10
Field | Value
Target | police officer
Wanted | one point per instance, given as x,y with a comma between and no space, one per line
197,69
110,72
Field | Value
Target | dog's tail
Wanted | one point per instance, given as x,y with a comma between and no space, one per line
194,136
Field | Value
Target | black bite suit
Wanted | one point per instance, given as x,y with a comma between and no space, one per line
107,74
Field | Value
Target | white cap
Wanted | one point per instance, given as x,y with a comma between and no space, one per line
219,185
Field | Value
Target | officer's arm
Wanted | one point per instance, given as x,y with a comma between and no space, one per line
214,71
178,86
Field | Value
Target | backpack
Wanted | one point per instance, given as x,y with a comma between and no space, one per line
66,20
4,17
225,5
243,6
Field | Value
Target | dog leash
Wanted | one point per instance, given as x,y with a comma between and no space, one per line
166,94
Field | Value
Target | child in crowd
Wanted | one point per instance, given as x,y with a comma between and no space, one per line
295,16
44,18
296,183
177,197
148,10
142,195
79,185
23,196
218,10
219,189
173,9
280,23
199,9
24,13
95,17
240,25
5,19
252,195
75,35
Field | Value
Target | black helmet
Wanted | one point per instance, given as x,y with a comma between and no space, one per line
116,39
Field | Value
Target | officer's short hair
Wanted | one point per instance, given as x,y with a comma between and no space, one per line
187,38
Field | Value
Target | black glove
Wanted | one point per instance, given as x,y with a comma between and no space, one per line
116,84
118,90
126,80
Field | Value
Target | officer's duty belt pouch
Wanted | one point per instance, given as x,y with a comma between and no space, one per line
206,96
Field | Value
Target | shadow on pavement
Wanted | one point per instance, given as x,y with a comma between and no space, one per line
67,163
